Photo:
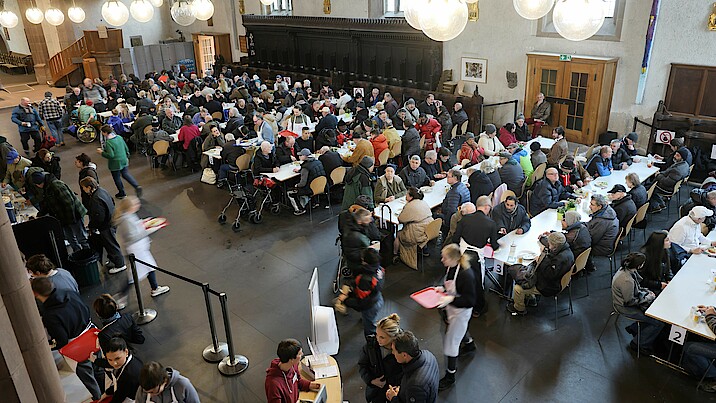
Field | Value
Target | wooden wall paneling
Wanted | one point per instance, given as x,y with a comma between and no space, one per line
684,84
708,104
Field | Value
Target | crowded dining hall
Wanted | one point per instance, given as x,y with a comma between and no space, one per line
381,201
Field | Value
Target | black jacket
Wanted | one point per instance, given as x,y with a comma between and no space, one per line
283,153
65,316
128,382
511,221
327,122
666,179
480,185
100,210
512,175
416,178
353,241
428,109
578,238
625,209
604,229
124,326
214,106
699,197
233,125
310,144
547,195
312,169
372,364
263,164
620,156
420,380
430,169
495,179
464,287
230,152
52,167
551,269
478,230
410,143
330,160
522,133
639,196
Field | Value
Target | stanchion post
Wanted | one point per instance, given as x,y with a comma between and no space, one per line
216,351
143,316
233,364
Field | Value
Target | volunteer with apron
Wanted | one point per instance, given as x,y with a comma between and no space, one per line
125,372
460,289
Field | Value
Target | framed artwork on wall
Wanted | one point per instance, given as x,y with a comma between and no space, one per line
474,70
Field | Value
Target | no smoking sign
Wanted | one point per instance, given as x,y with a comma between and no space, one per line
664,136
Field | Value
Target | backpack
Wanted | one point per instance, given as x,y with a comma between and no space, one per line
48,140
327,137
525,276
364,292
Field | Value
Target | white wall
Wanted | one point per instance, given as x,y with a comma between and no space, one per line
18,40
503,38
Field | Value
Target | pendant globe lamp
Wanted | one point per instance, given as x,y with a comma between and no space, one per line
413,10
267,2
34,14
8,19
578,20
443,20
532,9
203,9
76,14
141,10
183,13
115,13
157,3
54,16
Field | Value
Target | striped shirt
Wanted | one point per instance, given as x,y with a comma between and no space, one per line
50,109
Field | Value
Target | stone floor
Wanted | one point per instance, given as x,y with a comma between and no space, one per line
265,270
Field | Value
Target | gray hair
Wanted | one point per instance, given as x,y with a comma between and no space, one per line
415,158
468,208
233,112
431,154
616,141
483,201
601,200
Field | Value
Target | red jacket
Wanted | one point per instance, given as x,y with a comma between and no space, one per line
507,138
283,387
187,134
430,131
469,153
380,143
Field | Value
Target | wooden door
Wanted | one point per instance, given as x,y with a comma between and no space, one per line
547,78
222,42
582,83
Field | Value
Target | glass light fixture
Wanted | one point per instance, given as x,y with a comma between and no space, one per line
443,20
470,1
141,10
115,13
183,13
157,3
54,16
266,2
76,14
8,19
34,15
203,9
532,9
578,20
412,12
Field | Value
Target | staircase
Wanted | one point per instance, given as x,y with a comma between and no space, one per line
68,60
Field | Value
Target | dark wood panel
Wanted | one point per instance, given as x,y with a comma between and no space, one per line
708,102
685,86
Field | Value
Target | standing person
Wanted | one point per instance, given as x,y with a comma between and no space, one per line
100,211
158,384
377,365
459,286
87,168
117,154
65,317
114,324
60,202
357,182
283,380
134,239
365,294
51,112
48,161
125,370
419,383
15,167
28,121
41,266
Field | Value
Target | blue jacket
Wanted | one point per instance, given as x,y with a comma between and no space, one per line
599,166
456,196
19,116
327,122
522,153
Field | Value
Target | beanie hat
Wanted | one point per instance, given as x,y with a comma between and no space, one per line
633,136
367,162
567,164
571,217
48,94
364,201
11,155
410,101
557,238
490,128
38,178
683,153
89,102
520,116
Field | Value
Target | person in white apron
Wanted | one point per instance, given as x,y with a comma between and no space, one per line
125,371
296,121
459,286
134,239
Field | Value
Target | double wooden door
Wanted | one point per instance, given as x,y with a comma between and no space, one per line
580,92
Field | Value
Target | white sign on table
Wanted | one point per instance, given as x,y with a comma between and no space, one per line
677,335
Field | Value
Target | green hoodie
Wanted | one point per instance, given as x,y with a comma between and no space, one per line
117,153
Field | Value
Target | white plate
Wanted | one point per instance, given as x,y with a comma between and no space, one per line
526,255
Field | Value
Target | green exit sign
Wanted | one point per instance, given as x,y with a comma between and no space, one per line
565,58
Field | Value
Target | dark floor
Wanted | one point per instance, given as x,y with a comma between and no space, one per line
265,270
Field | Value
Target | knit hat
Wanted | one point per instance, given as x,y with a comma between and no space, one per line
535,146
617,189
571,217
305,152
38,178
700,212
567,164
556,238
520,116
367,162
633,136
490,128
469,135
11,155
363,201
683,153
341,123
504,154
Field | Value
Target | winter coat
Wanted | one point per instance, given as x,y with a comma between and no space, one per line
511,221
128,381
511,174
429,131
558,151
100,210
480,185
14,173
61,202
65,316
330,160
538,158
604,229
354,239
639,195
552,268
458,118
380,144
210,142
357,182
522,133
364,148
420,380
415,178
492,146
410,143
416,215
376,362
455,197
430,169
263,164
284,153
547,195
385,189
230,152
620,156
666,180
310,170
542,111
21,115
506,137
473,155
625,209
116,152
446,124
578,238
627,295
599,166
52,167
327,122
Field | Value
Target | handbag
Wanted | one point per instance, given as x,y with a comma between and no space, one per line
523,275
80,348
208,176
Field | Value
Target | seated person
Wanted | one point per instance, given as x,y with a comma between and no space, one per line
629,143
603,228
507,134
463,210
511,216
538,157
522,132
572,175
686,233
327,121
213,140
622,204
287,151
601,163
414,217
676,145
410,142
456,196
637,191
310,169
391,134
548,192
511,172
556,260
657,270
444,160
559,149
343,134
705,198
235,121
379,143
306,140
229,153
187,132
171,122
620,158
429,129
330,160
699,354
632,300
389,186
364,148
414,175
479,184
357,182
489,142
430,166
666,180
212,106
576,232
264,160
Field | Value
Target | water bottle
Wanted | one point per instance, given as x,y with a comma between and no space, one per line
511,257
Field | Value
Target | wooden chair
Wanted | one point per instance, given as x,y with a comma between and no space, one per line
641,216
626,231
318,187
564,284
641,152
612,259
464,162
432,230
161,148
463,127
580,264
453,132
650,192
219,116
383,157
337,177
422,143
667,199
539,172
527,203
506,194
243,162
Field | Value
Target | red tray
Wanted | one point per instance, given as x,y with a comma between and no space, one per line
428,298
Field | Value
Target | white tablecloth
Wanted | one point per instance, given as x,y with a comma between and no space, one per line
543,142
